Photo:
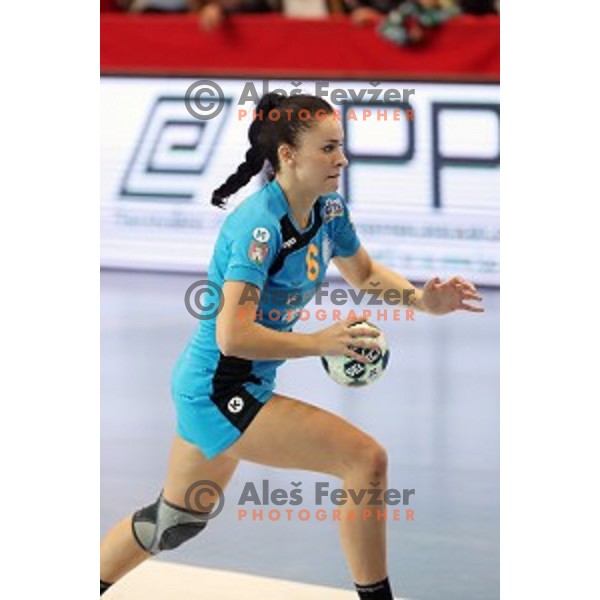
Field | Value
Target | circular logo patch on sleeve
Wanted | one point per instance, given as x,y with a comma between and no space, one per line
261,234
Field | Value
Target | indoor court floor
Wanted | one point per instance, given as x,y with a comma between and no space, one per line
436,410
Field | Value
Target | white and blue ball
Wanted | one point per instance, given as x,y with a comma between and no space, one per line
349,372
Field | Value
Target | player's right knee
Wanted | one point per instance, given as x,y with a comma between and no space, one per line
164,526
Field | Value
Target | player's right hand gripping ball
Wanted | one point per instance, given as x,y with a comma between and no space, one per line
349,372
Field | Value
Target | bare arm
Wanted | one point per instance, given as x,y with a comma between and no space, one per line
238,334
363,273
438,298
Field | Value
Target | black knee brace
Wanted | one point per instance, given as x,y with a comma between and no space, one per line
163,526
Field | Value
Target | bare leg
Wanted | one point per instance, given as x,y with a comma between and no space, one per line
288,433
364,541
119,551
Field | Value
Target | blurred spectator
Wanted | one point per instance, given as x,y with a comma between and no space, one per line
369,11
480,7
153,5
213,13
373,11
311,8
405,23
412,21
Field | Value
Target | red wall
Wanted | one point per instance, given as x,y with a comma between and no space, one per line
467,48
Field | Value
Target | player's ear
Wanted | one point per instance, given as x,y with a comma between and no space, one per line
286,155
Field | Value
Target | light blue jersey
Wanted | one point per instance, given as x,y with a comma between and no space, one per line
259,243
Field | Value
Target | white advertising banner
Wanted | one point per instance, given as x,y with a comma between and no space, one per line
422,184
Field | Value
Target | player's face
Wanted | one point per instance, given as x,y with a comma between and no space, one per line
319,157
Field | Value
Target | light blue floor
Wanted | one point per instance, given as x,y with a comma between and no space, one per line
436,411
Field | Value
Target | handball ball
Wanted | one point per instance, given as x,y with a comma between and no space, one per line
350,372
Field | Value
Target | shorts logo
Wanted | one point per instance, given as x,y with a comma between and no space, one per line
257,252
261,234
333,208
235,405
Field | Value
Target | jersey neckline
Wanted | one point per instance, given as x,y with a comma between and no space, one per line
283,201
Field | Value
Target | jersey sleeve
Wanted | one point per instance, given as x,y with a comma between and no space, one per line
345,239
253,249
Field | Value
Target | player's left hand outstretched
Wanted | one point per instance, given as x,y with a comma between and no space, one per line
440,298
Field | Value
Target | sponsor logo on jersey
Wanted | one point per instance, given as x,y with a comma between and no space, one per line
257,252
289,243
261,234
333,208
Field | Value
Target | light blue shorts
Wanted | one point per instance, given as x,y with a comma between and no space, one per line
215,407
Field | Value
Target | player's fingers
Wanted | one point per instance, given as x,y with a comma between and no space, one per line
471,296
363,332
356,356
355,319
364,344
471,308
361,342
466,284
466,292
